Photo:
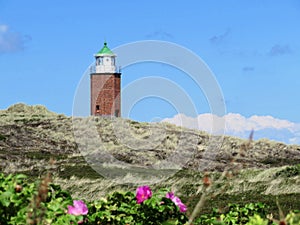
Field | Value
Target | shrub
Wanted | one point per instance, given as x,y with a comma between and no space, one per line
257,220
46,203
293,218
127,208
39,203
2,137
289,171
15,195
235,214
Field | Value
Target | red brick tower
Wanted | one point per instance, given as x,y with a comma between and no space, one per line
105,85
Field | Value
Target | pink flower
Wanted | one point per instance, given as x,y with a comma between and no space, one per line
142,194
79,208
170,195
177,201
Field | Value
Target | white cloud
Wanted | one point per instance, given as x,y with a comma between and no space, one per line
240,126
237,122
10,41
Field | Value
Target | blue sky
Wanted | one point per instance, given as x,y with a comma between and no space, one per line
252,47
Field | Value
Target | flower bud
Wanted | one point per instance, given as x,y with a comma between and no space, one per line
18,188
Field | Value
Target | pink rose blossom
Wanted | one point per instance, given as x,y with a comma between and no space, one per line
142,194
79,208
170,195
177,201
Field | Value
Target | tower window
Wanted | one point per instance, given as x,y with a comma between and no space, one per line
97,108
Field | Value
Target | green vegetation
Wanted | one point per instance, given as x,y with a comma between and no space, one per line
234,214
46,203
2,137
287,202
290,171
43,202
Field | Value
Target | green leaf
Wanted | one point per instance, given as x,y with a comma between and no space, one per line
20,177
5,198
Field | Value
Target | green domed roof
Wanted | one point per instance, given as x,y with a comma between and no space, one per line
105,50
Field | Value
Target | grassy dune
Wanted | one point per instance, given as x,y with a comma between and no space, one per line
97,155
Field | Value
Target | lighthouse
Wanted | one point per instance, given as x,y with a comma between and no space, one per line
105,84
